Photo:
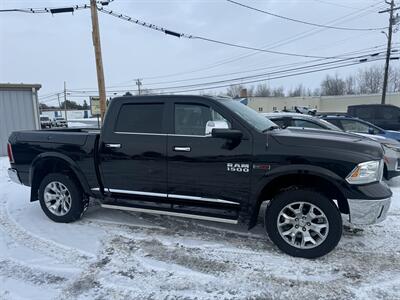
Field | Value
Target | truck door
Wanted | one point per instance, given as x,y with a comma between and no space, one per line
202,167
133,149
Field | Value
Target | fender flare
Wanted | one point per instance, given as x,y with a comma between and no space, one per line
61,157
298,169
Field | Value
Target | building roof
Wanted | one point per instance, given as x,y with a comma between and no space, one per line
19,86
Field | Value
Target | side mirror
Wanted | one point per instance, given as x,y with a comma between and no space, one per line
215,125
230,134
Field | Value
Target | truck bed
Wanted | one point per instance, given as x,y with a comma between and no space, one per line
78,146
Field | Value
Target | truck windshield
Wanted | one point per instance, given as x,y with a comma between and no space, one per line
253,118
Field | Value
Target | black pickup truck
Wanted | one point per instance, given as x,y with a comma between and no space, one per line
211,159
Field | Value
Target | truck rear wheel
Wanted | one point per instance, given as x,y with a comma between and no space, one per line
303,223
61,198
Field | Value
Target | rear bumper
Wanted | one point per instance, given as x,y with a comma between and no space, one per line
13,174
366,212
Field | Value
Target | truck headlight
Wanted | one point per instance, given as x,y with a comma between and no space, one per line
366,172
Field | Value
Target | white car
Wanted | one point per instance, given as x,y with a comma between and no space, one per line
59,122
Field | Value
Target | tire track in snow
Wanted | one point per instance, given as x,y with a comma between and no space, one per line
33,274
60,252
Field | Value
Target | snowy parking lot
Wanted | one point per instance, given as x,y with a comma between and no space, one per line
120,255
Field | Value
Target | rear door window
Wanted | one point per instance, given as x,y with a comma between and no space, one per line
306,124
140,118
354,126
280,122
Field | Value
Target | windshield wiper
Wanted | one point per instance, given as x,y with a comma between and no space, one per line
270,128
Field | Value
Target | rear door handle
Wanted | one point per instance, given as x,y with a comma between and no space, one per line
114,146
182,149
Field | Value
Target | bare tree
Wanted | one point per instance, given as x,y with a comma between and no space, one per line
333,86
370,80
394,80
316,92
234,90
350,85
297,91
262,90
278,92
250,91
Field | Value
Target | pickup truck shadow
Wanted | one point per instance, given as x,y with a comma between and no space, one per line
175,257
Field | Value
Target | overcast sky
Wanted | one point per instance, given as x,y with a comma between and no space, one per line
46,49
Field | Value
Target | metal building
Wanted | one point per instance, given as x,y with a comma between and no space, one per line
19,110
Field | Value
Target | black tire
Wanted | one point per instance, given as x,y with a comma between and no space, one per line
78,202
324,204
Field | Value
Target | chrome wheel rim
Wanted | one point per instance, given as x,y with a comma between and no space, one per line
57,198
303,225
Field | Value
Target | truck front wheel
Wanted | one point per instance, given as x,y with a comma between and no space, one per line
61,198
303,223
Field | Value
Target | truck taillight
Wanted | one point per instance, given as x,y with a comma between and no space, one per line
10,153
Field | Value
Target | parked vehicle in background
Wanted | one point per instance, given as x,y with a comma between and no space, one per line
59,122
353,124
207,158
386,116
391,147
45,122
300,110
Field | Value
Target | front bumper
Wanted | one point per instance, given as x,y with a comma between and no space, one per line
13,174
366,212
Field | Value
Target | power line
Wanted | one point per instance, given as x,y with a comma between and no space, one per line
336,4
195,37
377,51
228,82
257,80
263,79
51,10
282,42
244,71
303,22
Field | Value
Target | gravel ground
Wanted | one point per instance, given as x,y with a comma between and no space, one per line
120,255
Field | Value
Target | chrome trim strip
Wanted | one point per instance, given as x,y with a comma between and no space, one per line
139,133
188,135
168,213
184,197
138,193
201,199
161,134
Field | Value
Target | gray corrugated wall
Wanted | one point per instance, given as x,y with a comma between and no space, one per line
17,112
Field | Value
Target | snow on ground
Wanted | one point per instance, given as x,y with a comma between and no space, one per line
119,255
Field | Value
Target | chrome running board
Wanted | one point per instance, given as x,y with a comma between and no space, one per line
169,213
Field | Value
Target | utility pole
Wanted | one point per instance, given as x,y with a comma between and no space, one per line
59,103
389,50
139,84
99,59
65,101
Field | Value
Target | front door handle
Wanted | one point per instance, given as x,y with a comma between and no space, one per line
182,149
114,146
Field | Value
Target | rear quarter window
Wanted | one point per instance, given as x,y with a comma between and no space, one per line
140,118
387,113
366,113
